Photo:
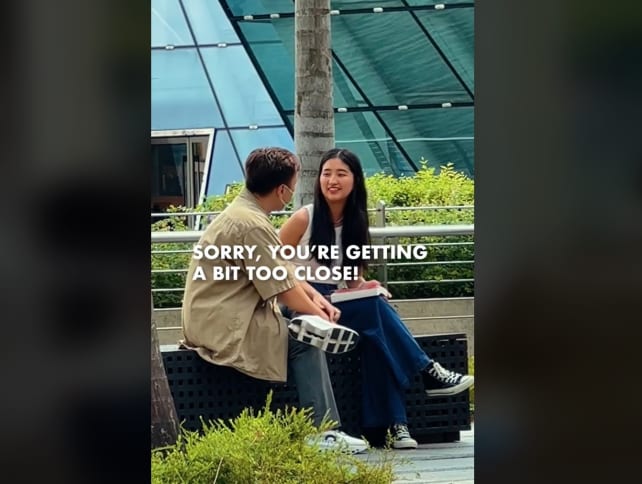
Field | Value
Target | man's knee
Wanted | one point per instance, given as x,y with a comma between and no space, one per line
304,355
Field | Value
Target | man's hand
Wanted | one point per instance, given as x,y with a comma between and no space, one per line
333,313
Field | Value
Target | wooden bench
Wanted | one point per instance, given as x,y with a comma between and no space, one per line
201,389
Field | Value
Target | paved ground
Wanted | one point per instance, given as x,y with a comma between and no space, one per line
438,463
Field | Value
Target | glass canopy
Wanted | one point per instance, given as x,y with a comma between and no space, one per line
229,65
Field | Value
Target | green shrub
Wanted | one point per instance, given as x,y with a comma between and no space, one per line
428,187
269,447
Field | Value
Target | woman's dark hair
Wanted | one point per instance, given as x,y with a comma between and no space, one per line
355,215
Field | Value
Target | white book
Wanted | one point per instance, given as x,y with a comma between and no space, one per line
342,295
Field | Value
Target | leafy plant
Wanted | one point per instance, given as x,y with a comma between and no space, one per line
269,447
427,187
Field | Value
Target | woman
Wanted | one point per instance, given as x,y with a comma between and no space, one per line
390,355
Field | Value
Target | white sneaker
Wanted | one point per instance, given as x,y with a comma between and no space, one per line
335,439
327,336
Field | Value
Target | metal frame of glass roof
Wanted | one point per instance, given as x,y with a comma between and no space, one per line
403,74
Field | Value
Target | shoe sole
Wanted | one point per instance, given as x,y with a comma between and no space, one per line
466,382
333,339
404,445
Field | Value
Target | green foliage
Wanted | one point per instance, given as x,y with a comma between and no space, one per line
269,447
428,187
169,280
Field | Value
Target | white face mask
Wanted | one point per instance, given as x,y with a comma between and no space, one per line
291,195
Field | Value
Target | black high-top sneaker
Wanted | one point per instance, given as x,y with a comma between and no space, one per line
439,382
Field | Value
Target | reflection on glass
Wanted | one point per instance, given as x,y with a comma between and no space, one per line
244,100
168,175
181,95
453,31
225,168
199,148
168,24
247,140
209,22
392,60
439,136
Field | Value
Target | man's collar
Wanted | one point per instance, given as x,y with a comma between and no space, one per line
249,198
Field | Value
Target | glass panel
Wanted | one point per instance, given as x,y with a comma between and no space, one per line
453,30
199,151
345,93
168,175
274,50
392,60
168,24
209,22
239,89
259,7
273,45
440,136
225,167
414,3
247,140
181,95
346,5
364,135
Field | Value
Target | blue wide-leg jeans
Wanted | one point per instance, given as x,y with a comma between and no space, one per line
390,357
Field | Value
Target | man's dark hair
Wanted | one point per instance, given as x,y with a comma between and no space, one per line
268,168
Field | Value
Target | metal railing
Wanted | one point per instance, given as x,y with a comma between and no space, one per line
380,232
375,232
197,219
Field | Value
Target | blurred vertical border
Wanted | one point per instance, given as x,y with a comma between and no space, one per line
558,231
75,240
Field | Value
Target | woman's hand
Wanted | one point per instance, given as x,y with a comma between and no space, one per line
374,283
333,313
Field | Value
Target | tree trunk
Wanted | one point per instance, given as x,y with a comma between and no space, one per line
164,418
313,114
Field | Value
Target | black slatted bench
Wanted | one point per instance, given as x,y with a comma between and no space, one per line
201,389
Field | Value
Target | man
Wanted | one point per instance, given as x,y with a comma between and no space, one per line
237,322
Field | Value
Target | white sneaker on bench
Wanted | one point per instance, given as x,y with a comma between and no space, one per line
318,332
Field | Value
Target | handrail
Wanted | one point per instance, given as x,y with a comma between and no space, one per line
390,231
290,212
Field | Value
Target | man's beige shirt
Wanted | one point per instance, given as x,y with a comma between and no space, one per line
238,323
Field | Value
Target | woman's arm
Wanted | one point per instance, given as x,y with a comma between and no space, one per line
294,228
361,282
290,234
357,282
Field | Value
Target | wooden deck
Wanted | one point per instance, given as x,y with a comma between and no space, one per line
437,463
